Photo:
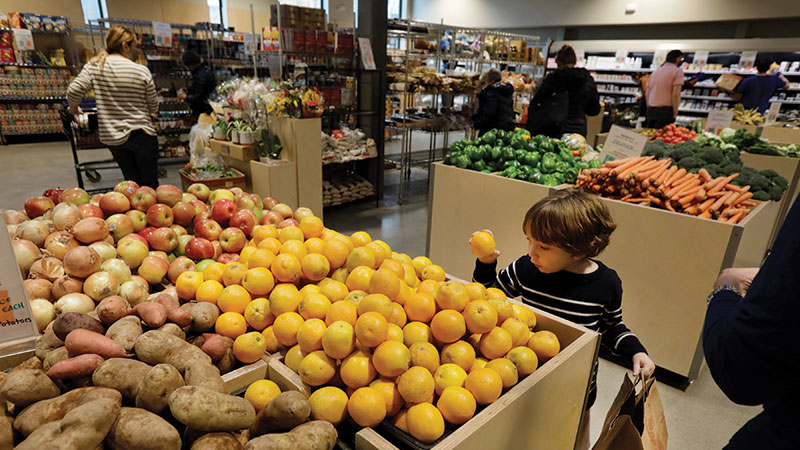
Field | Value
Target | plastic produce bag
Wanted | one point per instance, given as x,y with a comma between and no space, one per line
200,153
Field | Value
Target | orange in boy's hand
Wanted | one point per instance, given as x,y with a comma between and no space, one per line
482,244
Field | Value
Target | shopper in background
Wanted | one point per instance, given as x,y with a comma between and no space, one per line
203,84
559,275
568,91
495,103
126,99
751,344
663,93
755,92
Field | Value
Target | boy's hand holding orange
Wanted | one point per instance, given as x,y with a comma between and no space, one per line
484,247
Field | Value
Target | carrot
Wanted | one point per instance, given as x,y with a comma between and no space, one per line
622,174
619,162
693,210
79,366
81,341
704,175
722,182
627,162
705,205
748,204
626,197
733,187
701,195
668,205
719,202
681,189
742,198
680,173
732,211
152,314
705,215
667,174
655,200
636,200
736,218
736,196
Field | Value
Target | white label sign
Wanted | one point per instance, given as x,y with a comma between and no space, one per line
249,44
24,39
772,113
580,57
748,59
700,57
622,143
659,57
621,55
16,319
162,33
367,58
718,120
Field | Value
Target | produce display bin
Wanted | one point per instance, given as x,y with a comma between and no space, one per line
779,133
600,138
216,183
276,180
235,151
786,167
739,125
302,144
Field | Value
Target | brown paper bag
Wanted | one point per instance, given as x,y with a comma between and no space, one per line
635,420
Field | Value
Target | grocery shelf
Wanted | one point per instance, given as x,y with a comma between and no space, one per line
613,69
162,57
32,99
707,97
173,102
625,82
599,91
327,162
696,111
174,160
29,133
174,131
35,66
35,31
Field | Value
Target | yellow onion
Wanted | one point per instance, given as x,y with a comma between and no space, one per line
59,243
117,267
66,285
14,217
39,288
100,285
48,268
26,253
35,231
82,261
75,302
43,312
90,229
133,292
66,216
104,249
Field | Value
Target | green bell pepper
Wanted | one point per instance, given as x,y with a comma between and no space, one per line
581,164
532,159
548,180
571,175
559,178
463,161
457,146
512,163
486,171
523,169
500,134
520,155
595,164
546,145
566,155
474,153
450,157
548,164
562,167
489,138
496,153
518,142
508,153
535,177
479,165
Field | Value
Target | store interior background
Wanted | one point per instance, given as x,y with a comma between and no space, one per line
700,417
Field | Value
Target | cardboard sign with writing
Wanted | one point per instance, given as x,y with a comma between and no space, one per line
16,318
622,143
367,58
162,33
772,113
700,57
718,120
23,38
748,59
621,55
659,57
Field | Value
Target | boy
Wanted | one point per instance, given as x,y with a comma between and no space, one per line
564,232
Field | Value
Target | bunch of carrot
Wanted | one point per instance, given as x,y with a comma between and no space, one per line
661,184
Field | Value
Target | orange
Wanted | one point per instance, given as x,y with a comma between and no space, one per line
339,340
272,245
310,289
260,393
258,281
376,302
328,234
290,233
272,342
526,315
214,272
480,316
419,263
286,268
424,354
429,287
317,368
244,255
329,404
485,385
262,232
261,258
404,294
482,244
495,293
425,422
357,370
334,290
360,238
294,356
380,252
309,335
503,308
478,364
294,247
367,407
456,404
315,267
496,343
341,310
415,385
209,291
475,340
336,252
518,330
394,333
311,227
230,324
314,245
284,298
314,306
391,358
388,388
476,291
394,266
398,315
545,344
340,274
361,256
433,272
385,282
187,284
459,353
506,369
402,258
286,326
448,375
452,295
415,332
420,307
233,273
358,279
525,359
355,297
410,276
250,347
258,314
448,326
371,329
401,420
233,299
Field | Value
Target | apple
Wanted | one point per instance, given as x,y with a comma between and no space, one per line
223,210
126,188
232,240
135,237
257,200
114,203
283,209
259,214
201,266
187,197
226,258
76,196
219,194
199,248
89,210
245,220
179,230
271,218
159,215
199,206
182,241
37,206
138,218
270,202
159,254
288,223
168,194
207,229
178,266
301,213
199,190
164,239
153,269
183,213
217,249
119,225
54,195
132,251
146,233
244,202
95,200
143,198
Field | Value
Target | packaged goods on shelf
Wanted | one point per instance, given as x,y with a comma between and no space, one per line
344,187
347,145
30,118
18,82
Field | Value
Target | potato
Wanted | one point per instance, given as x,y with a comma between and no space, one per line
55,356
111,309
155,387
54,409
7,432
31,363
26,386
74,320
216,441
122,374
284,412
125,331
227,362
207,410
204,315
137,428
47,342
315,435
155,347
173,329
204,374
84,427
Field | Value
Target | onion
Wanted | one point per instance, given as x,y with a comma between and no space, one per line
26,253
75,302
65,216
90,229
117,267
104,249
48,268
14,217
12,231
39,288
100,285
43,311
133,292
33,230
141,281
66,285
81,262
60,242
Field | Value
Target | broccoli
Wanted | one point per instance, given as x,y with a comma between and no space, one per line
711,155
759,182
692,145
679,153
733,156
775,192
656,149
769,173
714,169
761,196
780,181
730,168
690,162
742,180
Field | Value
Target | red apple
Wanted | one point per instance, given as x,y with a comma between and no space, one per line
217,249
245,220
288,223
90,210
232,240
139,219
199,206
95,200
54,194
199,190
187,197
301,213
237,190
199,248
223,210
114,203
244,201
207,229
178,266
120,226
159,215
226,258
36,206
270,202
168,194
257,200
159,254
153,269
76,196
283,209
164,239
183,213
135,237
146,233
143,198
126,188
271,218
199,217
179,230
182,241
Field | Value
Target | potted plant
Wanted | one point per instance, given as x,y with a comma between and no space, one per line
236,126
246,133
221,130
312,104
269,148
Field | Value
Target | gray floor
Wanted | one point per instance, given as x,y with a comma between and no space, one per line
699,418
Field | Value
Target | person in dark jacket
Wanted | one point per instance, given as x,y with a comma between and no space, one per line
203,83
495,104
583,97
750,342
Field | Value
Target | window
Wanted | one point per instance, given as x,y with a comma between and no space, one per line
218,11
395,9
94,9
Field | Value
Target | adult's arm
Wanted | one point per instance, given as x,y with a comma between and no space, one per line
150,95
78,88
676,99
786,83
593,100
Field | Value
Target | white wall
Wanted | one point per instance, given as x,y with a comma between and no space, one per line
543,13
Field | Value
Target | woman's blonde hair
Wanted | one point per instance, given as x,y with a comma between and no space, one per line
115,38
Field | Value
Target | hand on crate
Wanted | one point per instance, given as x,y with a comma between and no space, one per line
740,278
76,111
642,363
483,246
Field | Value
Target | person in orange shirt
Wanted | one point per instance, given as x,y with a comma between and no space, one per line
663,92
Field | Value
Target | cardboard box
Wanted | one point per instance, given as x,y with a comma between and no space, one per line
728,81
749,128
600,138
302,144
279,181
236,151
778,133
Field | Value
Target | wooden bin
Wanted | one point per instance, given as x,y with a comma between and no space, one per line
275,180
267,368
788,168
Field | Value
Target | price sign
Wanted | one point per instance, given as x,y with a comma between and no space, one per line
700,57
621,55
659,57
718,120
162,33
748,59
367,58
23,38
580,56
249,44
772,113
622,143
16,318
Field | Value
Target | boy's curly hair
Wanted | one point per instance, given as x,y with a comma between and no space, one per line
573,220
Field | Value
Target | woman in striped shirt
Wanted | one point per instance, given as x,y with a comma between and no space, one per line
564,232
126,100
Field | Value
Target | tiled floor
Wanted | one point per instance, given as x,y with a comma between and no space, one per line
699,418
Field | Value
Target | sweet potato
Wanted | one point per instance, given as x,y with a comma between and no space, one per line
173,329
227,362
216,441
82,341
54,409
79,366
204,315
206,410
152,314
175,314
215,345
84,427
284,412
26,386
314,435
111,309
125,331
155,347
203,374
155,387
47,342
137,428
122,374
7,432
73,321
31,363
57,355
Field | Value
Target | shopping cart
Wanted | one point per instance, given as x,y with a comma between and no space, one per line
85,136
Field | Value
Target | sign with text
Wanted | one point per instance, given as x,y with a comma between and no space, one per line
249,44
162,33
621,55
16,318
718,120
24,39
659,57
700,57
580,57
747,60
622,143
772,113
367,58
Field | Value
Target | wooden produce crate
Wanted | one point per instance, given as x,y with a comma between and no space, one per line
216,183
235,151
276,180
302,145
268,367
788,168
779,133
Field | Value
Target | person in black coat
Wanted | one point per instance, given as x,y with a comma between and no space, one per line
582,91
203,83
495,104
